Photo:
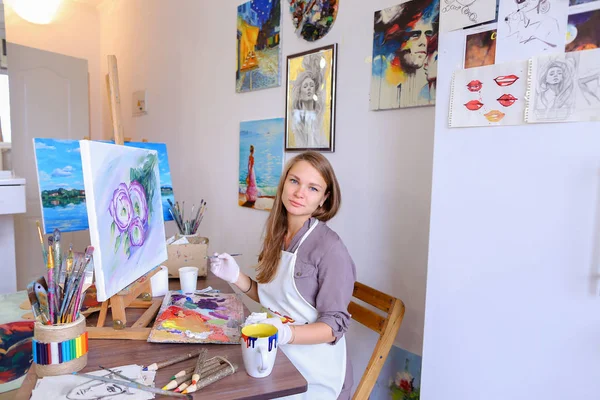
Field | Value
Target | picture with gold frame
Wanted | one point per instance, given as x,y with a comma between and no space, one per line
310,100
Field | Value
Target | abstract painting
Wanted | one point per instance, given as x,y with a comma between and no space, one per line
400,377
261,162
564,87
60,178
198,318
583,31
15,341
458,14
530,27
127,229
489,96
405,43
480,49
313,18
258,49
310,100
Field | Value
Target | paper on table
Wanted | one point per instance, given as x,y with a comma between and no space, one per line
73,387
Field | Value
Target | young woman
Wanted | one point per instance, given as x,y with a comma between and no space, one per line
305,276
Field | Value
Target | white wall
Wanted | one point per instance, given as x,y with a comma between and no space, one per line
184,55
74,32
513,279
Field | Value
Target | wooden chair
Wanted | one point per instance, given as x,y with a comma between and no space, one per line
386,326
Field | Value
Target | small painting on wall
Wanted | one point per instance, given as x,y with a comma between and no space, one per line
261,162
583,31
258,49
310,100
313,19
400,377
480,49
125,214
404,69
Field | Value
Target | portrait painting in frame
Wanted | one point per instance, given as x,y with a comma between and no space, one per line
310,100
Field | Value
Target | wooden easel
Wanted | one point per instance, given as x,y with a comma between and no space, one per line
128,297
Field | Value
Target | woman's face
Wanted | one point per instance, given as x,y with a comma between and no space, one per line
307,89
554,76
304,190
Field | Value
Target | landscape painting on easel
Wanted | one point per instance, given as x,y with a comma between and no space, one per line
261,162
258,49
60,178
198,318
127,228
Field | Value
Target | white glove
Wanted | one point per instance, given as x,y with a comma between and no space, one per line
285,332
225,267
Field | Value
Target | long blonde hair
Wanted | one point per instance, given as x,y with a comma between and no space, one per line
276,226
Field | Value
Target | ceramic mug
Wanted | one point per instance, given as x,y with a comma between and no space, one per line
259,348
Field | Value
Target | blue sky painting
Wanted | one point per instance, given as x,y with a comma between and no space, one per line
400,377
60,177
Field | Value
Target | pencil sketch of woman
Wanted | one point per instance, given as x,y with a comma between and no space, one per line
251,189
555,90
307,101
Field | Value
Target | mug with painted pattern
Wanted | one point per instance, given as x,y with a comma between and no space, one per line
259,349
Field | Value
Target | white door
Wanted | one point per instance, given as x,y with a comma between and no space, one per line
48,99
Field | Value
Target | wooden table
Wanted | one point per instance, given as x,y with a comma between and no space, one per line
284,380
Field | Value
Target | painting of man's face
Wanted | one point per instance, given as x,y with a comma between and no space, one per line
404,68
414,47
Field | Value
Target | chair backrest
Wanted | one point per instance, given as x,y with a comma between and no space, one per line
386,326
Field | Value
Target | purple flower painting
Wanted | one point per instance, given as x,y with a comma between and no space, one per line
129,209
123,196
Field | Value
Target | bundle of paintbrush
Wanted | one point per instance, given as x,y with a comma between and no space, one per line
190,226
58,299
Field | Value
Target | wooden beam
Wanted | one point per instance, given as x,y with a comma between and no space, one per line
115,99
373,297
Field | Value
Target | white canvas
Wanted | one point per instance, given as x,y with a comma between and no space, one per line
565,87
489,96
123,199
458,14
529,28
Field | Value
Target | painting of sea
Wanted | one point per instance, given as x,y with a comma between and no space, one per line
125,216
198,318
261,162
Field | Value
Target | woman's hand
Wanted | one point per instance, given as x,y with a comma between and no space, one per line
225,267
284,331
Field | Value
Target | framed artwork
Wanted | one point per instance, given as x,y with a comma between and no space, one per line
313,19
310,100
125,213
261,162
405,50
258,50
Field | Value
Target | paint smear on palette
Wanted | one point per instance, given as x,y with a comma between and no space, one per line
15,350
198,318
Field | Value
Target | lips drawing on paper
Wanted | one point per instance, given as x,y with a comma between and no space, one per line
488,96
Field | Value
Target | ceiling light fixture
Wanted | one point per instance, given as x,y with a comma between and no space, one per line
36,11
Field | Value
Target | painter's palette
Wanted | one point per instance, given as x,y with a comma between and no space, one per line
198,318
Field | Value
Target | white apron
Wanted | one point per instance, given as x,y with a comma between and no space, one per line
322,365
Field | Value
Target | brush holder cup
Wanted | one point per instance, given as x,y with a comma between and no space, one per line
60,349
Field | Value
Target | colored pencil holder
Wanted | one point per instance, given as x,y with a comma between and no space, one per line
60,349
